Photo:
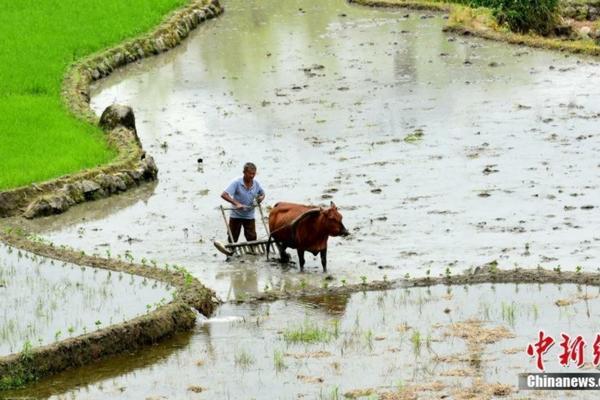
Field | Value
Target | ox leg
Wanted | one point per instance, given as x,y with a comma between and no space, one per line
324,259
301,259
285,257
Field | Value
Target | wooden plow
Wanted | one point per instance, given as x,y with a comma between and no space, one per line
254,247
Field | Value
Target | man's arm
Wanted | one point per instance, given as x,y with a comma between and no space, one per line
225,196
261,194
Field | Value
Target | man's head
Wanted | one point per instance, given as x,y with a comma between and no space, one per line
249,171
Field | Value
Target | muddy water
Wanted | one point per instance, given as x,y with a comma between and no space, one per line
415,337
321,96
44,301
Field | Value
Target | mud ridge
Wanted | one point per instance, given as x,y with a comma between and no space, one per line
18,369
485,274
132,165
413,4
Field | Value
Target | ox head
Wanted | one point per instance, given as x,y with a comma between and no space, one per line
333,221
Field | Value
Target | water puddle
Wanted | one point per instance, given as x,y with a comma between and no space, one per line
45,300
438,341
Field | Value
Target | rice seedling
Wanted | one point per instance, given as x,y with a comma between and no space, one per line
243,359
279,361
308,332
334,394
486,311
509,313
536,312
369,339
557,269
303,284
415,339
448,273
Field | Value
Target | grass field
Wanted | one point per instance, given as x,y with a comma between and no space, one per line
39,139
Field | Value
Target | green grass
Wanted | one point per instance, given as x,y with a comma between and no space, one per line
39,139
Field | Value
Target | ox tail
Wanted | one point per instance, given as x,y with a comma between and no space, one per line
269,245
271,240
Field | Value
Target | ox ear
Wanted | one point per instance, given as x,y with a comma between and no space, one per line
332,205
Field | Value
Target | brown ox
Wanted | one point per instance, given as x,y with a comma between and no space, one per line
304,228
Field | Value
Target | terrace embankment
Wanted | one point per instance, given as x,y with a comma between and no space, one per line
488,273
570,36
31,364
132,165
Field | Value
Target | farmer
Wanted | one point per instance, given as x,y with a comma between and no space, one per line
241,193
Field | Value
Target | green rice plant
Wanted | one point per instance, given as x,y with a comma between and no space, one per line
279,361
303,284
448,273
39,138
414,137
336,328
428,341
415,339
557,269
509,313
243,359
369,339
128,256
334,394
536,311
308,332
486,312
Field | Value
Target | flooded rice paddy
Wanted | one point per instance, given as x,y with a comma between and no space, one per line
438,341
45,300
441,151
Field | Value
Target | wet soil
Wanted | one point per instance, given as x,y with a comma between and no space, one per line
433,342
507,173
